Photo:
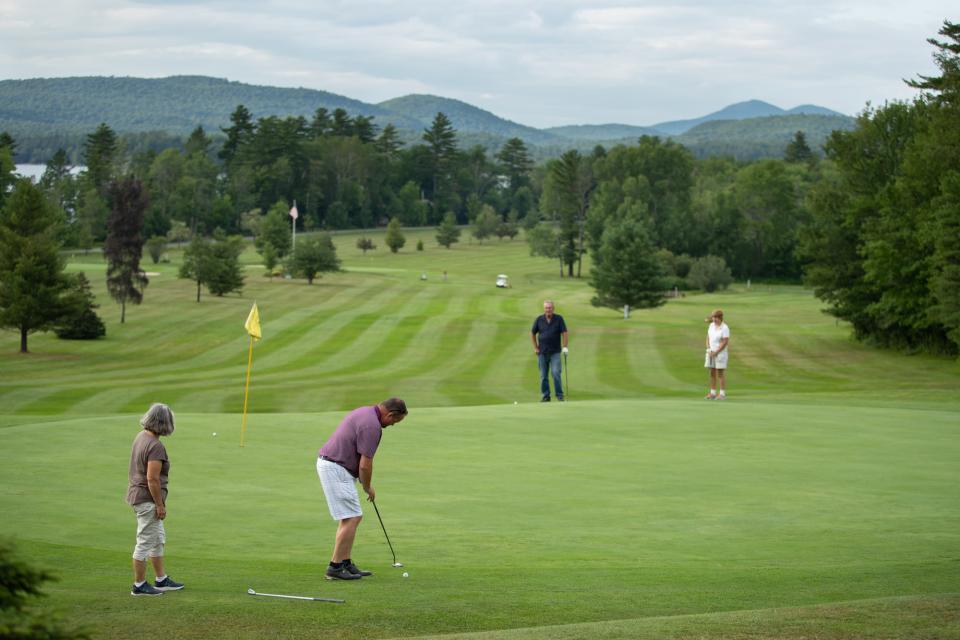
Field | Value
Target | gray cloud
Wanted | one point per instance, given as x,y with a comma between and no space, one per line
538,62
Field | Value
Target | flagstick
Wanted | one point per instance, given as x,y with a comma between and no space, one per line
246,391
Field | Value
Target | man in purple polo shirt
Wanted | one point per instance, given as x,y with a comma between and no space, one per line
345,458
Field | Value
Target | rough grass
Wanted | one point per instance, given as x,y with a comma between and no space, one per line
820,501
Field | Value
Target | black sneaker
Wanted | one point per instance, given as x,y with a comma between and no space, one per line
341,573
146,589
357,571
545,399
167,584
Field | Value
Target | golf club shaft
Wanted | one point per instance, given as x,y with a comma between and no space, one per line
278,595
566,373
392,552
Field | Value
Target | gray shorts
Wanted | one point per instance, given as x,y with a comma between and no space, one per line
340,488
151,535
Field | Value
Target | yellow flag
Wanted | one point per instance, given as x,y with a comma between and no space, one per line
252,325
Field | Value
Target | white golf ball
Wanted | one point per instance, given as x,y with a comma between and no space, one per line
214,434
406,575
514,402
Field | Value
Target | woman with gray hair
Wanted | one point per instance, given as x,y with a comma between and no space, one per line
147,494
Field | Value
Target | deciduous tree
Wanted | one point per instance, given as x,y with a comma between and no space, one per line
485,224
123,247
314,256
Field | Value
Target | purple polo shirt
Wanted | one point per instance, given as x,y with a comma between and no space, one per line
358,435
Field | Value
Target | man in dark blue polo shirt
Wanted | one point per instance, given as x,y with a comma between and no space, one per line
549,335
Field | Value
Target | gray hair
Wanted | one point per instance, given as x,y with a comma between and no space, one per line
158,419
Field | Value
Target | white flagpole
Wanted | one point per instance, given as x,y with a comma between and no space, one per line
295,226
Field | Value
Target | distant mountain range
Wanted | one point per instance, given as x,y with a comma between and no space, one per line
38,109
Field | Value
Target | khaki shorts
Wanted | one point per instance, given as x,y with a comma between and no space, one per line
150,533
717,362
340,488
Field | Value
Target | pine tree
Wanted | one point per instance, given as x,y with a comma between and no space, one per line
31,268
99,155
628,270
389,141
448,233
441,139
320,125
515,163
798,150
21,617
198,142
7,168
394,237
238,133
364,129
342,125
80,321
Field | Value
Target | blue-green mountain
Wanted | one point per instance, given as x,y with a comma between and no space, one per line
43,114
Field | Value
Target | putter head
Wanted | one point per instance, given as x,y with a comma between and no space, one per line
251,592
397,564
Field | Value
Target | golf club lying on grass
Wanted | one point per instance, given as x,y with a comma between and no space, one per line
395,563
277,595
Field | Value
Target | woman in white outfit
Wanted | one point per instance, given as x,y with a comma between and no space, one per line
718,337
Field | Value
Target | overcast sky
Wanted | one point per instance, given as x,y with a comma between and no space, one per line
537,62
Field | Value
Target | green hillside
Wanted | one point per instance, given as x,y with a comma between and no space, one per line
466,118
175,105
604,132
819,501
754,138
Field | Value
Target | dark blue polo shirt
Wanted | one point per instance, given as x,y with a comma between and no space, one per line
550,333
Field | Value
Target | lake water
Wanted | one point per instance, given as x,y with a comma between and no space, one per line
34,171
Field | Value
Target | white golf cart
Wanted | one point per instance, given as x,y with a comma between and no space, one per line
502,281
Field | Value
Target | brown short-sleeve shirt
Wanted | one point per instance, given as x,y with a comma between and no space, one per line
146,447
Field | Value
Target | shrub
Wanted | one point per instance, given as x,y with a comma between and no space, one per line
709,273
156,246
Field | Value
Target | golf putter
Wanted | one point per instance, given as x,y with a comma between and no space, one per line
395,563
566,375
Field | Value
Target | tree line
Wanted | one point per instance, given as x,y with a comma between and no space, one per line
872,226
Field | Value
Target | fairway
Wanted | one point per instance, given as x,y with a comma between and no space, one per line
821,500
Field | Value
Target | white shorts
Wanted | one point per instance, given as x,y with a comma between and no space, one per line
340,488
717,362
151,535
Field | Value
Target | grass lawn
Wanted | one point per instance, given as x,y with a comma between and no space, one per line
822,500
